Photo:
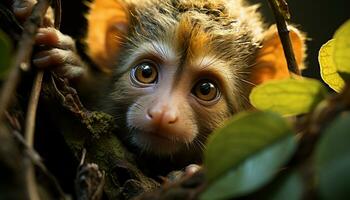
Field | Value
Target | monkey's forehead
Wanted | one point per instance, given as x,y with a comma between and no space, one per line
229,17
228,29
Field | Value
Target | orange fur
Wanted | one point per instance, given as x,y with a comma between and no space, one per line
101,38
271,62
197,40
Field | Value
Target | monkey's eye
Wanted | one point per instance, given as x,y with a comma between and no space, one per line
145,73
206,90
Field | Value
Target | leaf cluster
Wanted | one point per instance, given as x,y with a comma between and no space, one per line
255,155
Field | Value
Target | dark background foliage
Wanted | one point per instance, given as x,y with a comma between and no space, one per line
319,19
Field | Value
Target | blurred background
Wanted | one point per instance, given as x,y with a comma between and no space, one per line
318,19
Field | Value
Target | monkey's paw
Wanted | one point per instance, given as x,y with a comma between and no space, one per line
57,51
188,171
59,54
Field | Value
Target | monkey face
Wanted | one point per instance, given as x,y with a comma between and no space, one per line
178,75
168,104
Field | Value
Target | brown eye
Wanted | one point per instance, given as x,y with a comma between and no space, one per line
145,73
206,90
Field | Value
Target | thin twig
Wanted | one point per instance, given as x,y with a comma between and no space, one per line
32,189
22,55
34,98
32,107
280,10
29,134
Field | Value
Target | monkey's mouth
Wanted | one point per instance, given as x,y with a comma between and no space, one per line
156,135
156,143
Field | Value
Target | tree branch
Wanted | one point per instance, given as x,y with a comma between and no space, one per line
281,13
29,135
22,56
34,98
32,107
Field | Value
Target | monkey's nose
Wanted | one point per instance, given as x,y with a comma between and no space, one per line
162,116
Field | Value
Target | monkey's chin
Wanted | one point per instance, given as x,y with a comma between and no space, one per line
151,143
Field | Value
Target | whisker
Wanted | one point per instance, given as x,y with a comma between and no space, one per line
248,82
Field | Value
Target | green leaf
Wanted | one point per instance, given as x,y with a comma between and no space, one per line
288,96
328,68
5,54
287,187
332,160
342,48
246,153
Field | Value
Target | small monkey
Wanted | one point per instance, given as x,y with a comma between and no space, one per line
170,71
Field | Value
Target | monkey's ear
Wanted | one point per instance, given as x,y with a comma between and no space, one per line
271,62
108,22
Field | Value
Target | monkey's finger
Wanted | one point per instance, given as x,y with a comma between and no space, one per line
51,37
22,8
191,169
70,71
49,18
56,58
174,176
